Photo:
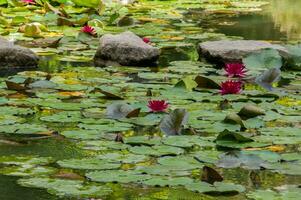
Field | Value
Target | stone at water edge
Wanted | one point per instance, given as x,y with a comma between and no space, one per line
16,57
234,50
125,49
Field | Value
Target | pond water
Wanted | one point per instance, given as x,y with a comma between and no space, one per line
280,21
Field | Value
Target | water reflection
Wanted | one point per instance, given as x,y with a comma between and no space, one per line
287,17
280,20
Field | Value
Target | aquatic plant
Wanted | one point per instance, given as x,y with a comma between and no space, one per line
235,70
28,1
146,40
89,30
231,87
157,105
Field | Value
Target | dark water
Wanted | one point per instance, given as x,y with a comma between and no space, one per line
9,190
280,20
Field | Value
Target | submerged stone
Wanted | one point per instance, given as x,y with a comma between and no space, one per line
234,51
125,49
14,56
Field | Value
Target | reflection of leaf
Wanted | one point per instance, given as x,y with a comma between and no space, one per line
267,78
173,123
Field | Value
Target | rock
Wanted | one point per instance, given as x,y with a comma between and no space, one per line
233,51
14,56
125,49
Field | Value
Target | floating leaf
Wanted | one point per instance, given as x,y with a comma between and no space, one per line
210,175
265,59
88,163
250,111
160,150
240,159
67,188
165,181
180,162
173,123
219,188
117,176
204,82
118,110
268,77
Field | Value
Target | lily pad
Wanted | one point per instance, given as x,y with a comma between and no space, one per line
88,164
119,176
66,188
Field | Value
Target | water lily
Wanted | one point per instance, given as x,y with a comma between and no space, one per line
231,87
235,70
157,105
146,40
89,30
28,1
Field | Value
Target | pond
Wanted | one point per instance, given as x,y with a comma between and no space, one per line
57,141
278,21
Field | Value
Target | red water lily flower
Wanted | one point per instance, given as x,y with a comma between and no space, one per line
231,87
235,70
157,105
89,30
28,1
146,40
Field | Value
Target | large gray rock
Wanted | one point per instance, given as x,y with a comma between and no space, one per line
125,49
13,56
232,51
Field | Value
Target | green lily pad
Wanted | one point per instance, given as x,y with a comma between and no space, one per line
162,170
143,140
27,170
123,158
117,176
66,188
180,162
102,145
166,181
83,134
219,188
187,141
157,150
88,164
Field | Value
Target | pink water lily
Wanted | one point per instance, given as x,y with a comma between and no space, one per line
89,30
157,105
28,1
231,87
235,70
146,40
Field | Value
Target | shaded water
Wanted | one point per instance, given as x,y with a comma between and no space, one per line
280,21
